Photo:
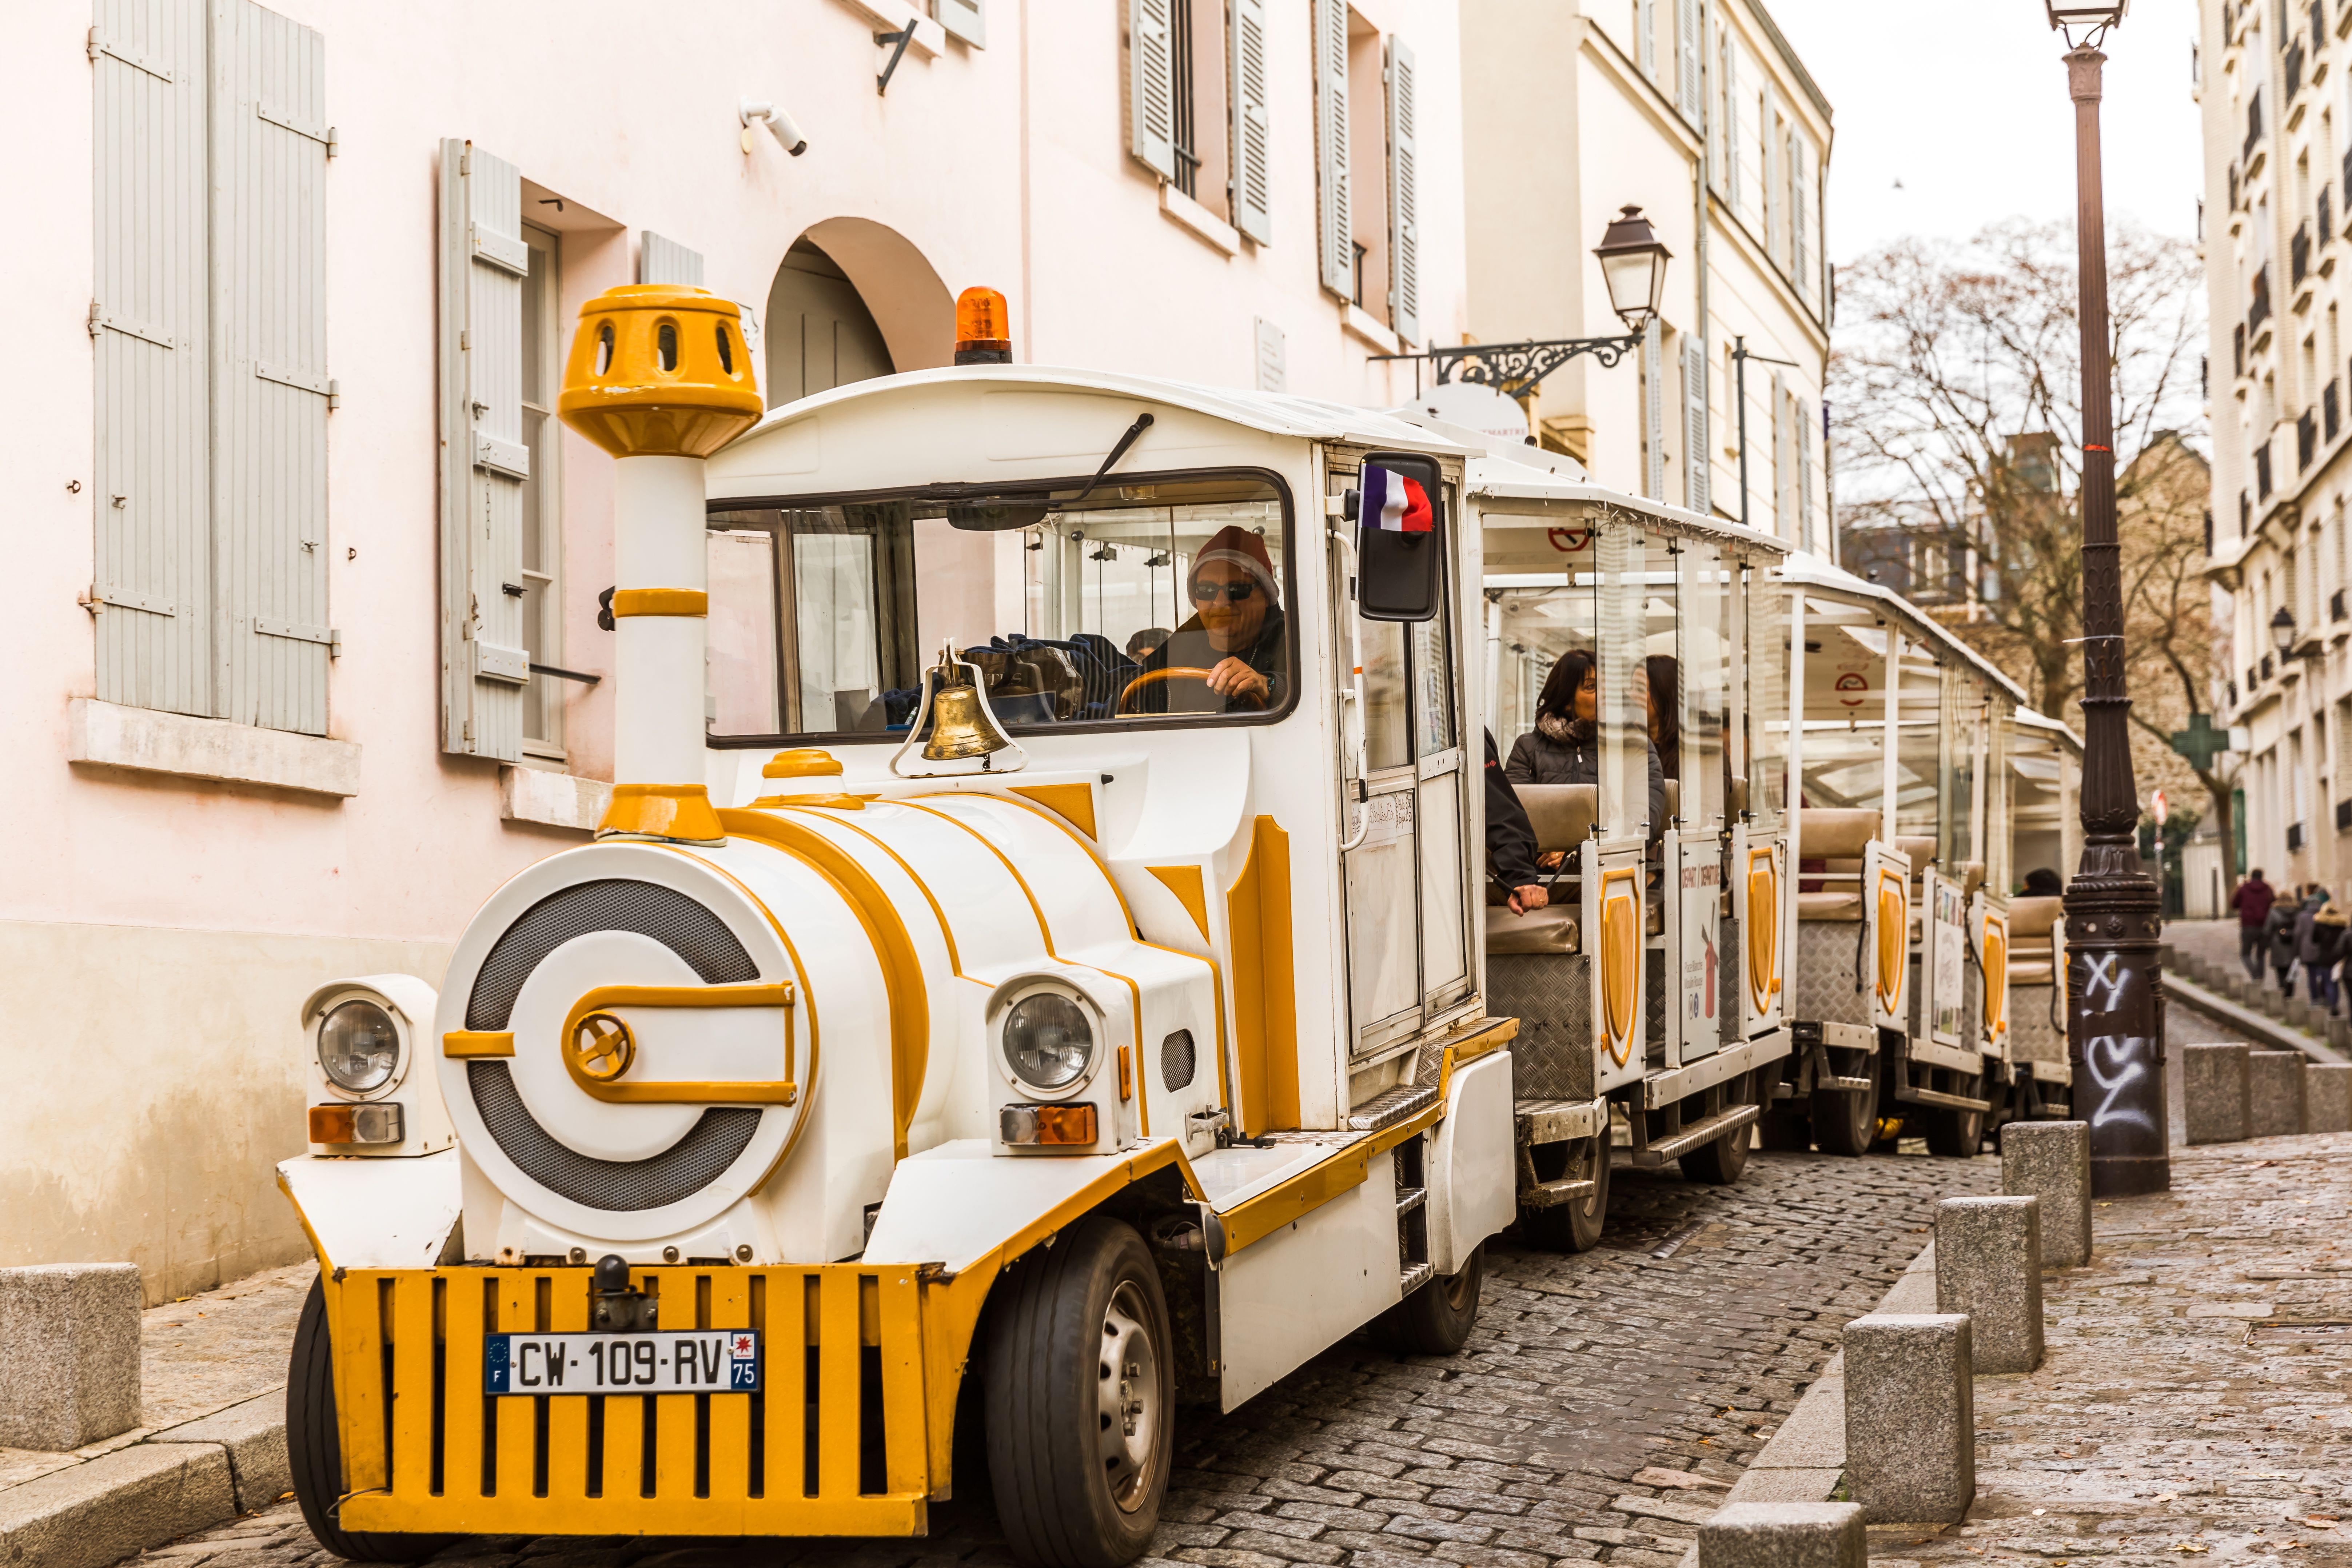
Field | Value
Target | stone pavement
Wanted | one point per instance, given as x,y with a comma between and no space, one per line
1604,1407
2196,1400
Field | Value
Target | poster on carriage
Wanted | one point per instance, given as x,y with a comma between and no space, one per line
1697,871
1948,937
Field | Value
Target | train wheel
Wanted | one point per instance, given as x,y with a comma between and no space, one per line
1844,1120
314,1447
1436,1319
1080,1395
1575,1226
1957,1134
1720,1162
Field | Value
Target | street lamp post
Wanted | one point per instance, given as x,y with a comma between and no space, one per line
2115,991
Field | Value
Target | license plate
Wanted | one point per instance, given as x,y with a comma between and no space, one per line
708,1361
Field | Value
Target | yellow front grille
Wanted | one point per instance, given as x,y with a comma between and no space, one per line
839,1441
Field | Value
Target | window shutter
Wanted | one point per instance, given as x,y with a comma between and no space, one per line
1765,174
1405,200
153,553
1645,36
1801,264
1804,474
270,394
1686,56
1332,217
483,464
1731,120
665,261
1151,85
1654,410
966,19
1253,177
1780,457
1695,471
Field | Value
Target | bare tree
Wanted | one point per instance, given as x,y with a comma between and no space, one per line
1955,389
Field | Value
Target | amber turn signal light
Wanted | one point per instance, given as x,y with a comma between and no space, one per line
357,1124
984,328
1061,1124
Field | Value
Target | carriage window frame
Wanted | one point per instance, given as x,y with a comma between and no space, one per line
786,628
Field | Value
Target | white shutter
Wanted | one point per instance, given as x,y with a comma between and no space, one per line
1804,422
1687,57
664,261
270,394
1151,85
1645,36
1404,199
1654,411
1780,457
148,320
1336,237
1800,248
1731,120
1252,173
1696,473
483,462
1765,176
966,19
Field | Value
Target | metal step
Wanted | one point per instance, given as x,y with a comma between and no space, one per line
1391,1106
1410,1199
1937,1097
1550,1194
1414,1276
1698,1132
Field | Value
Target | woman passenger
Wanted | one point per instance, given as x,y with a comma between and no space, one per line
1564,748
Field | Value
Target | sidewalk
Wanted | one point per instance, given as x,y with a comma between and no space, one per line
211,1444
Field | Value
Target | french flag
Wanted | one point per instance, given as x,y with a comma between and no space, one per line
1394,503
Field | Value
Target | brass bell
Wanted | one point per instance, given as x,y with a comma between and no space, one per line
961,726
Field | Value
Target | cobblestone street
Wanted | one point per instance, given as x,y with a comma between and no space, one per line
1604,1405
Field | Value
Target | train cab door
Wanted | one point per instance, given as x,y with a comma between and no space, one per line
1757,727
1699,637
1404,770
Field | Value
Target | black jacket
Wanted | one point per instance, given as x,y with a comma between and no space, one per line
1536,758
1510,837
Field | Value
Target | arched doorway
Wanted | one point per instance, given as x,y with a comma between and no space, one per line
853,300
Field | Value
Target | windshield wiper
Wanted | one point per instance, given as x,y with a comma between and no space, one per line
1142,423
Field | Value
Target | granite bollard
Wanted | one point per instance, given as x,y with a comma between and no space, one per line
2051,1160
2273,1093
2327,1097
1989,1266
1910,1417
2213,1087
1785,1535
69,1354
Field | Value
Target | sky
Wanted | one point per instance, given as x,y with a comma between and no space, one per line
1964,103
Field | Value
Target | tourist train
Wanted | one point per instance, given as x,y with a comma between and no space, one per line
1040,971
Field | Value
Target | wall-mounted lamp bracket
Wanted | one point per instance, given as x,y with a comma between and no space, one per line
902,38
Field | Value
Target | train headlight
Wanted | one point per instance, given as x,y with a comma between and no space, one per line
1048,1041
359,1047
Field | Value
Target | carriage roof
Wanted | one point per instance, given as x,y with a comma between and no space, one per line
1809,571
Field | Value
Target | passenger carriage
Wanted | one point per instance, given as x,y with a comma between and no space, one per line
1028,978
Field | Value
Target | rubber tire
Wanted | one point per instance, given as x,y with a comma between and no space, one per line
1719,1162
1957,1134
1843,1122
314,1447
1042,1411
1437,1317
1573,1228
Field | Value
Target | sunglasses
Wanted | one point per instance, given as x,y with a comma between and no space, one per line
1234,593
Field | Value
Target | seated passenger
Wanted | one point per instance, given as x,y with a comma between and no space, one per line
1235,637
1564,748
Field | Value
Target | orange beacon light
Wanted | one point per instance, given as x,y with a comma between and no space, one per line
983,329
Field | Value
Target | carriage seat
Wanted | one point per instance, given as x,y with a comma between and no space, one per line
2032,953
1550,930
1837,833
1561,815
1842,907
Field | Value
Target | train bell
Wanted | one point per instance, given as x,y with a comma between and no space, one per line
962,725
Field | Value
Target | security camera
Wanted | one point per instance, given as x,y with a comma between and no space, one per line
780,125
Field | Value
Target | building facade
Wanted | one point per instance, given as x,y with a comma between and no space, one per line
308,654
2274,86
1698,112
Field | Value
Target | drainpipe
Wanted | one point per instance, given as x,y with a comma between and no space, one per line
659,378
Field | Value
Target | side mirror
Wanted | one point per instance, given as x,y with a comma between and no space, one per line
1399,509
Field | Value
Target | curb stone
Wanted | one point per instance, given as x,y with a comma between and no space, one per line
168,1484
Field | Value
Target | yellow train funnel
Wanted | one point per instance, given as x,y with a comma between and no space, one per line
660,370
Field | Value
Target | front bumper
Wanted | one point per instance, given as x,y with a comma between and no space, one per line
851,1434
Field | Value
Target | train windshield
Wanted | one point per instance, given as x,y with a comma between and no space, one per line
1151,600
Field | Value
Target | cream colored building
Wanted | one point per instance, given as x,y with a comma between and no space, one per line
2274,85
1700,113
303,651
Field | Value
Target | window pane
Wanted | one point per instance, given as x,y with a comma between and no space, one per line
742,632
1706,672
1540,590
1386,736
1433,686
1136,601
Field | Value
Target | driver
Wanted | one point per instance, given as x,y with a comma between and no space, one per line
1235,634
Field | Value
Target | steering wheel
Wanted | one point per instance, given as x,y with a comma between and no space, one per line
1177,672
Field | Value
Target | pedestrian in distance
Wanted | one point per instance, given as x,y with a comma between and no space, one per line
2251,898
2278,939
2317,966
2328,928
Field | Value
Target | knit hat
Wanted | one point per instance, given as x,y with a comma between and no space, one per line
1240,547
